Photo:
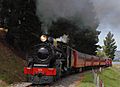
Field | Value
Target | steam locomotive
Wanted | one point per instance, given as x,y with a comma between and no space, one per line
53,58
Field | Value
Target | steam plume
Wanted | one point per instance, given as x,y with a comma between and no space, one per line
49,10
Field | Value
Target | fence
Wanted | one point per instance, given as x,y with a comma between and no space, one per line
97,81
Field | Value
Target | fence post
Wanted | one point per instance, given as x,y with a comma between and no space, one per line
98,81
96,77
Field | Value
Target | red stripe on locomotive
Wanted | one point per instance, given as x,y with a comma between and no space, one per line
43,71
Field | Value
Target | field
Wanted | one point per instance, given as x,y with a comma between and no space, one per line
110,77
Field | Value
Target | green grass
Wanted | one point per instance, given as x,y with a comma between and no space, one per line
87,80
111,77
116,60
11,66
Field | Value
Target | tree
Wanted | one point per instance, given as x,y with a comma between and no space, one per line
83,38
86,40
23,25
100,52
4,13
63,26
109,45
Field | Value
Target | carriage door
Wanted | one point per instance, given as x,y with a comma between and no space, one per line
68,56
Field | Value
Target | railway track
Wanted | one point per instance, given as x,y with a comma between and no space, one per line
67,81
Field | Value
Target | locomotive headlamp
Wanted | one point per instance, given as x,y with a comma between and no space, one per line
43,38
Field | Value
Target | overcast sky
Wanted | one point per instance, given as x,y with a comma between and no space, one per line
108,12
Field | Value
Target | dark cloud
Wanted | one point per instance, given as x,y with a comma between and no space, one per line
49,10
108,11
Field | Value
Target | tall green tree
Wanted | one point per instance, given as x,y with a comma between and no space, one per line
109,45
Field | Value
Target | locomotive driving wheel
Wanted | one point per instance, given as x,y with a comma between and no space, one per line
78,70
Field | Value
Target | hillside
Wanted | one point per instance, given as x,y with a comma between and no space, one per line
11,66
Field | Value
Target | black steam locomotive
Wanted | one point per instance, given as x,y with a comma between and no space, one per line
46,61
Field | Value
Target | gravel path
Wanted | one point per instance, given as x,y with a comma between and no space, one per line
23,84
68,81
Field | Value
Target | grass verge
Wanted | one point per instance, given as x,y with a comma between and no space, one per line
111,77
87,80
